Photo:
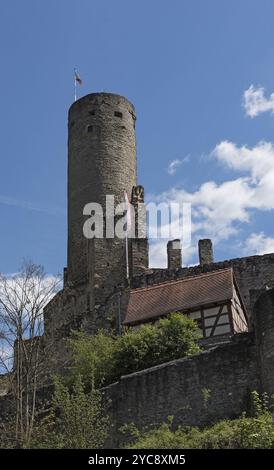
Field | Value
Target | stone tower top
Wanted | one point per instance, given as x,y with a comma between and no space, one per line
99,96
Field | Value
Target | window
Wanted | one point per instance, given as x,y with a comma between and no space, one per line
92,112
118,114
90,129
195,315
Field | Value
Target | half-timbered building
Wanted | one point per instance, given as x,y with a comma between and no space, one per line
212,299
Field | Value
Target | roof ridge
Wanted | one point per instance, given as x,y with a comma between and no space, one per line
183,279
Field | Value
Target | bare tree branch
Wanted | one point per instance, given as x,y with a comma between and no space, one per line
23,297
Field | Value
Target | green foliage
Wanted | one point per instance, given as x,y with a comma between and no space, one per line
7,433
256,432
178,336
243,433
103,358
206,393
260,405
75,419
93,358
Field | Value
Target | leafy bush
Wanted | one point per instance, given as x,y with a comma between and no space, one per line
242,433
75,420
174,337
103,358
93,358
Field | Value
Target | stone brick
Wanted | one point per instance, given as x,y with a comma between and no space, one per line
228,372
205,251
174,254
101,161
264,328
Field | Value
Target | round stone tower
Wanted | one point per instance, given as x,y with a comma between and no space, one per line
101,161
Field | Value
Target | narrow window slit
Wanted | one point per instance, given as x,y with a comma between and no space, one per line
118,114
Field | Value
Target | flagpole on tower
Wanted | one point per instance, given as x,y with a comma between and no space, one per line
128,228
77,79
127,264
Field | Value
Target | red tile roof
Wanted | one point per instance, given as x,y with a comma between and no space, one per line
184,294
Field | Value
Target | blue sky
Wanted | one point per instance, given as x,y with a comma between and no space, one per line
185,65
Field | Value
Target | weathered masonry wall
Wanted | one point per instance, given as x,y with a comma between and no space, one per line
198,390
178,388
4,385
264,329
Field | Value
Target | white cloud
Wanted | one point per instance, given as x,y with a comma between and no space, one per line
258,164
158,254
255,102
9,201
259,244
26,294
6,352
175,164
257,160
220,210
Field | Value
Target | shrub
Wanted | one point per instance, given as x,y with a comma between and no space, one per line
93,358
103,358
255,432
242,433
75,420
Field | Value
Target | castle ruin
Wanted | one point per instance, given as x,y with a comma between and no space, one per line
97,292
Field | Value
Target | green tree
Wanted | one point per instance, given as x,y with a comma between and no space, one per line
75,420
178,336
137,350
103,358
93,358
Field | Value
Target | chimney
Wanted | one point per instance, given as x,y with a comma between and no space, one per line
205,252
174,254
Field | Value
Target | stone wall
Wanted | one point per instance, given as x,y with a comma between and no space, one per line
5,384
196,391
264,329
174,254
178,388
205,251
73,307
